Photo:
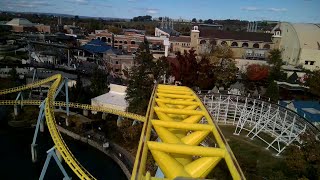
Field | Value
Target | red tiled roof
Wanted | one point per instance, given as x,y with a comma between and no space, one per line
180,39
235,35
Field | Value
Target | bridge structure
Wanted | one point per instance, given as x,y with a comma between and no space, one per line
175,114
275,125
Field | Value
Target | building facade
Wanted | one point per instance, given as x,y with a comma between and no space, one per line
129,41
245,45
117,64
24,25
300,44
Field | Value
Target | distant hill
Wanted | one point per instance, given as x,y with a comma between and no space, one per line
67,15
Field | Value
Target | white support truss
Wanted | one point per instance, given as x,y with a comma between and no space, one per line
258,118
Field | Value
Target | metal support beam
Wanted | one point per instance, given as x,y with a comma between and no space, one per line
39,125
52,153
67,95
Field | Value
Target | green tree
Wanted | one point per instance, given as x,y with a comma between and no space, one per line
141,79
209,21
200,20
114,29
304,161
224,67
78,93
275,60
99,83
194,20
313,82
14,76
205,74
273,91
186,69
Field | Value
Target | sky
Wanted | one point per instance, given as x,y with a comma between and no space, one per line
307,11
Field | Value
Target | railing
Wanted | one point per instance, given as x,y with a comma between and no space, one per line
256,116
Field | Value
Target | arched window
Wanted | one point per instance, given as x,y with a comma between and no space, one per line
266,46
202,42
104,39
234,44
115,41
120,47
133,42
98,38
213,42
256,45
245,45
125,42
224,43
109,39
120,42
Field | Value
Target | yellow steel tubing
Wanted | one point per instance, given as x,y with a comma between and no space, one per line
176,96
177,102
186,149
230,159
192,119
168,137
202,166
179,111
167,163
142,152
174,92
163,116
195,138
180,125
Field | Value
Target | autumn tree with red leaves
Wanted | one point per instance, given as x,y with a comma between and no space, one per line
256,72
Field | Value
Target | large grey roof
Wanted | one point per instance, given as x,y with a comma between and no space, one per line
20,22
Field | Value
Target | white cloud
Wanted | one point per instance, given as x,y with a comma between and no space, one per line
27,4
79,1
253,8
152,11
277,9
149,11
250,8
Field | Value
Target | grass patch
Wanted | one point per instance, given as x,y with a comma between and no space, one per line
255,160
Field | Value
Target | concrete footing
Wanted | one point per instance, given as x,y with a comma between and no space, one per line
34,154
16,110
58,155
42,125
119,121
104,116
85,112
67,121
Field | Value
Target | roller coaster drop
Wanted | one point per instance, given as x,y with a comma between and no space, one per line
177,115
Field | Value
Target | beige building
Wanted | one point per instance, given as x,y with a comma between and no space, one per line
117,63
245,45
300,44
24,25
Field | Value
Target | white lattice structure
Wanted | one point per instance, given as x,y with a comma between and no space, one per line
257,117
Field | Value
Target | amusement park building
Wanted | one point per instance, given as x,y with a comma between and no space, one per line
245,45
24,25
300,44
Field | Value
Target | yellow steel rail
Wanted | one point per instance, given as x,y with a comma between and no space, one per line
174,112
60,145
77,105
182,123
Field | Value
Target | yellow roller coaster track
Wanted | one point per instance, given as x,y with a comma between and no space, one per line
60,145
77,105
181,122
174,112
